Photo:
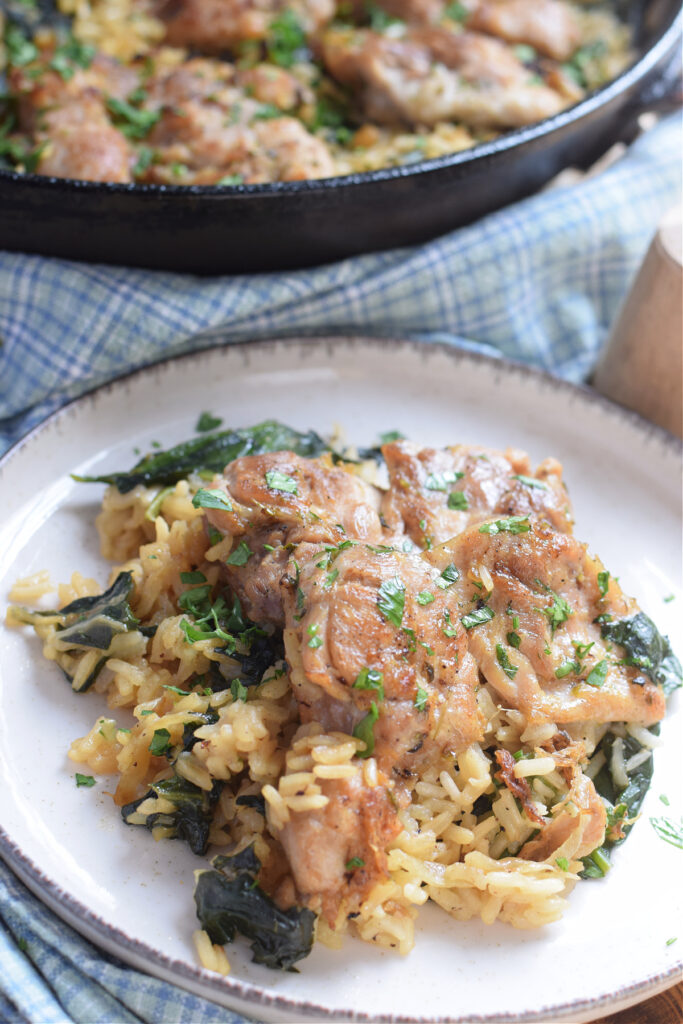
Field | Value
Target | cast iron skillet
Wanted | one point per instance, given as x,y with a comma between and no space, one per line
209,230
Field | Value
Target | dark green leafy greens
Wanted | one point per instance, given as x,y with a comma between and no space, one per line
646,648
92,622
191,818
229,901
623,803
211,453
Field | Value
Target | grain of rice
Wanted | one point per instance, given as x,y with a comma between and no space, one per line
335,771
30,589
646,738
533,766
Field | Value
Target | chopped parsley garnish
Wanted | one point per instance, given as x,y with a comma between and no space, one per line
421,699
330,578
514,639
215,536
458,500
379,19
667,600
192,577
231,179
84,780
530,481
355,862
525,53
664,799
241,555
196,601
286,40
442,481
277,481
315,640
160,742
425,597
456,12
207,422
450,629
448,577
365,731
670,942
562,863
71,55
603,582
668,830
370,679
508,668
557,612
20,49
173,689
391,600
477,617
566,668
511,524
598,674
131,121
214,498
390,435
238,691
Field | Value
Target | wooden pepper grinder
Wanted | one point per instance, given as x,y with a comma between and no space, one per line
641,365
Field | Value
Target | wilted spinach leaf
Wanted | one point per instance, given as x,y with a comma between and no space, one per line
631,796
646,649
212,452
191,819
91,622
229,900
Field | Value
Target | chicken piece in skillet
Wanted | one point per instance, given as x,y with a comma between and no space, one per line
431,74
435,493
214,121
278,501
550,26
216,25
67,117
531,599
374,635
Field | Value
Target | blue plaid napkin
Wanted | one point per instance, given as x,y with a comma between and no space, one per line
538,282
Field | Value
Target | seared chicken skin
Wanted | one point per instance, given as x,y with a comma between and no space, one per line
435,493
380,628
69,121
216,25
282,500
537,643
550,26
432,74
354,828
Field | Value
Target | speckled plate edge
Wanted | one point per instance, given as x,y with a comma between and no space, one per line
242,996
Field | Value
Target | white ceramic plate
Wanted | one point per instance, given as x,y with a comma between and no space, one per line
133,896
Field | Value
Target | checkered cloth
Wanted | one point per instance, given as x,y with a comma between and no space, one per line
538,282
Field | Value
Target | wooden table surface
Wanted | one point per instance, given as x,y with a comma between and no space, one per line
666,1008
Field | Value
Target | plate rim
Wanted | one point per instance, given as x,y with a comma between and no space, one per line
389,341
135,951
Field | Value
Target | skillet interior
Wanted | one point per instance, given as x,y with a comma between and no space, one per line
208,229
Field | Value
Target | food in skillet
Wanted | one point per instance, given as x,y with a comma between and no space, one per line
233,91
364,679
